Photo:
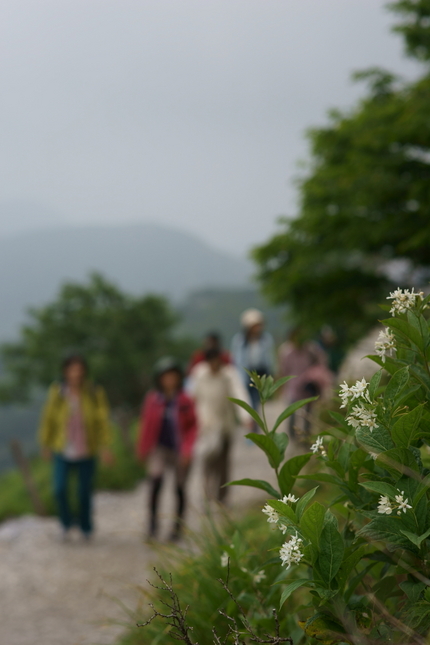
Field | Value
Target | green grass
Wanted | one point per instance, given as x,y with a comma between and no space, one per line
124,474
252,547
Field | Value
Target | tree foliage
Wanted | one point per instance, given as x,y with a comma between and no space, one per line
364,204
121,336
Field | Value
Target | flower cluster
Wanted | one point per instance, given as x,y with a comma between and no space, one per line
362,417
386,506
318,447
273,516
290,552
385,344
357,391
403,300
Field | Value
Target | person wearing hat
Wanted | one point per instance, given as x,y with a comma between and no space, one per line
167,434
252,349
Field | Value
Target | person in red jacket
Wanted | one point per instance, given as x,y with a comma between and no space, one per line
167,434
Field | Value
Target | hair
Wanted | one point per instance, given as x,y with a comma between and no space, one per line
211,354
70,360
213,335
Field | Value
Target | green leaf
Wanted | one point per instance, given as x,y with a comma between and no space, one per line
256,483
386,529
396,384
331,550
266,443
290,410
258,420
279,383
290,470
403,430
349,563
406,330
292,586
379,440
281,440
381,488
283,509
322,477
301,504
374,384
340,419
311,523
413,589
421,325
416,539
398,460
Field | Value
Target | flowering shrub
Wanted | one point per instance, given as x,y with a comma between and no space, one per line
364,554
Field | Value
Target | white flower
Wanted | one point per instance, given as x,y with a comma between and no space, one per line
402,503
373,455
345,394
360,390
384,505
259,576
282,527
385,344
272,515
357,391
362,417
290,551
224,559
318,447
403,300
289,498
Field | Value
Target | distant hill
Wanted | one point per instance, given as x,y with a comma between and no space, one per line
219,310
139,258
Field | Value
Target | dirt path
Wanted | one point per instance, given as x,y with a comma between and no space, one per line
67,594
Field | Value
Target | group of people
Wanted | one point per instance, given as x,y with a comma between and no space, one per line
186,414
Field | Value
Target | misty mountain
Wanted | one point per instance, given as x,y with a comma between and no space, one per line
138,258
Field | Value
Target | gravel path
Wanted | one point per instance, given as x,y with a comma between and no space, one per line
53,593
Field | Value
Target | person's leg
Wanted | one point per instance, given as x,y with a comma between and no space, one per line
60,480
86,470
181,473
224,469
156,469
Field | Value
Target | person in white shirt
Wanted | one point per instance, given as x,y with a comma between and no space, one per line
211,384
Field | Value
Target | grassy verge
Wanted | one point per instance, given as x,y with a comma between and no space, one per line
124,474
254,568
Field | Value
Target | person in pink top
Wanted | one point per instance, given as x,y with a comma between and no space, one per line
307,361
168,430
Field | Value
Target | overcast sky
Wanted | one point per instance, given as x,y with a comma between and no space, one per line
190,113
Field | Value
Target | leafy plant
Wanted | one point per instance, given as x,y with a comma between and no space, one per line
364,557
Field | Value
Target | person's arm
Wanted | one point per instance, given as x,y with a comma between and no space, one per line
46,424
189,431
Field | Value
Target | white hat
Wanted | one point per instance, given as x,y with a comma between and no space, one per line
251,317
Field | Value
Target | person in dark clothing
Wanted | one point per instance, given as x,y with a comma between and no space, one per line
166,439
212,341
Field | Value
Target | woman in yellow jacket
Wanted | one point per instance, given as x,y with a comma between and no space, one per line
74,428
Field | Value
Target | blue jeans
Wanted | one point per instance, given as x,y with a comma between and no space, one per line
85,469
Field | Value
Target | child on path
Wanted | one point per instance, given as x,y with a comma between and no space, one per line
167,434
212,382
75,427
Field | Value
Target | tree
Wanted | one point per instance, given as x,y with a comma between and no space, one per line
364,220
121,336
